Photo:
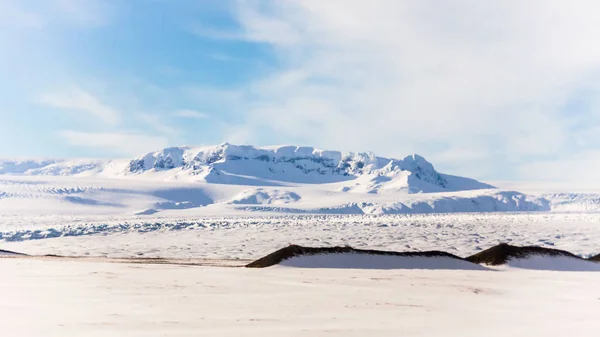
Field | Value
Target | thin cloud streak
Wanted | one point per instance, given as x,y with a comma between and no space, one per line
187,113
82,101
397,77
128,144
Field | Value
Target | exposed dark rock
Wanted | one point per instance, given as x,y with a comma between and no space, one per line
8,252
595,258
295,250
504,252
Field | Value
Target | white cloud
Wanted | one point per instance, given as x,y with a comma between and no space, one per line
156,122
82,13
87,12
581,169
81,101
13,15
399,77
216,34
129,144
187,113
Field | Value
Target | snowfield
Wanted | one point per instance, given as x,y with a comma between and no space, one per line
245,237
365,261
75,298
553,263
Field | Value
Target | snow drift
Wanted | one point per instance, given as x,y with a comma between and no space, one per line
556,263
375,261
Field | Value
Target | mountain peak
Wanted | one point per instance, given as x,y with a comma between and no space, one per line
268,165
414,161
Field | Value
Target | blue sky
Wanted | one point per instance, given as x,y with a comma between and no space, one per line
140,61
504,91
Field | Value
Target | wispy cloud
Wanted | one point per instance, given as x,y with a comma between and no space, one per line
580,169
82,101
82,13
215,33
88,12
187,113
156,132
404,76
128,144
157,123
222,57
11,14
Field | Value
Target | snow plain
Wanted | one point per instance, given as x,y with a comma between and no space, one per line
64,299
244,237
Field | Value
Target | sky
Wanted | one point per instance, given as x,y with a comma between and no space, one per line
495,90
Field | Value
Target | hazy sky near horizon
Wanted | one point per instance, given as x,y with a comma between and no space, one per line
500,90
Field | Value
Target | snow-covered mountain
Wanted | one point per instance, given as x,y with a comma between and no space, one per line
266,166
234,178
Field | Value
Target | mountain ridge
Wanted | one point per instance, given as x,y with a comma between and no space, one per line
242,178
250,165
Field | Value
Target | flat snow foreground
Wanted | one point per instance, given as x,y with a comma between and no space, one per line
75,298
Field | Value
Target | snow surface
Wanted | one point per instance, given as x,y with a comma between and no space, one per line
261,196
373,261
253,237
72,299
49,195
556,263
574,202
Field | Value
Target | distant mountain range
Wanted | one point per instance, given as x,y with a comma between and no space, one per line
240,178
262,166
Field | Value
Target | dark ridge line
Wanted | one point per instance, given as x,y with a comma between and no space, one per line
183,262
296,250
502,253
494,256
595,258
8,252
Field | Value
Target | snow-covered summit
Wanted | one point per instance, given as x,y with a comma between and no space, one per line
262,166
244,164
230,178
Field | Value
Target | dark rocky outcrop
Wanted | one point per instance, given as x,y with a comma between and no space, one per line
295,250
8,253
595,258
504,252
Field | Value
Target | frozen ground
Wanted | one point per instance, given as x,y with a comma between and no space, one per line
63,299
252,237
